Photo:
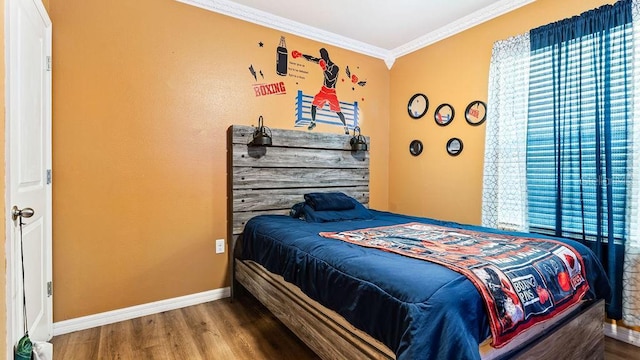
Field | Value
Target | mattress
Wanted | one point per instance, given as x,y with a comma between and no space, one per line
418,309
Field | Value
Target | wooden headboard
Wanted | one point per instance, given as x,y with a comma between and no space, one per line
269,180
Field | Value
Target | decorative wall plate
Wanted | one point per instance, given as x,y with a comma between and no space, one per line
454,146
444,114
418,106
476,112
415,148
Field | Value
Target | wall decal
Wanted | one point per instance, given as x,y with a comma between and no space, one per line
253,72
297,70
282,58
270,89
293,68
327,93
263,89
354,78
325,116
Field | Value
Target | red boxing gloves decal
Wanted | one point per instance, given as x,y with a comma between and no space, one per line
297,54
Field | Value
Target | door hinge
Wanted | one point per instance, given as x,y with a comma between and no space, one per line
49,176
49,288
48,63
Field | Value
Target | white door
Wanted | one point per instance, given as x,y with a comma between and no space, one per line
28,106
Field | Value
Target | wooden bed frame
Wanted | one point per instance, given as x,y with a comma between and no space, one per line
269,180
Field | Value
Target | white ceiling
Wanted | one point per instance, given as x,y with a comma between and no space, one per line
381,28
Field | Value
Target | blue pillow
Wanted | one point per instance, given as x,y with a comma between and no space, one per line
359,212
321,201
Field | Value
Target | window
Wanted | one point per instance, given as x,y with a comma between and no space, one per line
579,104
564,101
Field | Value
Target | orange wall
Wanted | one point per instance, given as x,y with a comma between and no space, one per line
143,94
454,71
3,264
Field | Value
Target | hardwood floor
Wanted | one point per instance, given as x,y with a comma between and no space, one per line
618,350
221,329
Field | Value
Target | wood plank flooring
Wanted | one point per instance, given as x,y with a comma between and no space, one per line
618,350
221,329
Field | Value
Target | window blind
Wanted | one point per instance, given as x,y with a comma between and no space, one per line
578,106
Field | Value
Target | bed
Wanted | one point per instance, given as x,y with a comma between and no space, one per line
264,183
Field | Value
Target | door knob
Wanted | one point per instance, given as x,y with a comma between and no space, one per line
25,213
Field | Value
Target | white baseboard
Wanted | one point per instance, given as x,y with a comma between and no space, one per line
621,333
86,322
110,317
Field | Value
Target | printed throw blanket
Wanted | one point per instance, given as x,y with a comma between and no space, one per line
523,281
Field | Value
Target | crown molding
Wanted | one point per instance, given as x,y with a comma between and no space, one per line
246,13
263,18
458,26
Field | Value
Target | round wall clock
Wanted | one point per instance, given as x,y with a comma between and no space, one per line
454,146
476,112
415,148
444,114
418,106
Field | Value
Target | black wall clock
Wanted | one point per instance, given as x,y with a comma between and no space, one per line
444,114
476,112
418,106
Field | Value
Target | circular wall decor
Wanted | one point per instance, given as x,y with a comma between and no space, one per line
415,148
454,146
444,114
476,112
418,106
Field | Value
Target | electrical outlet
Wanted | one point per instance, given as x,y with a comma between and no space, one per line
219,246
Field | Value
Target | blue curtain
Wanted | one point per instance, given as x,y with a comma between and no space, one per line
580,100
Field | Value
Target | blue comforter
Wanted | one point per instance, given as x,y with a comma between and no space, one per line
420,310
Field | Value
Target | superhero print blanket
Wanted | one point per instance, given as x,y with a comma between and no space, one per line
522,281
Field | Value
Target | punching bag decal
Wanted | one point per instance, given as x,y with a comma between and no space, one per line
281,58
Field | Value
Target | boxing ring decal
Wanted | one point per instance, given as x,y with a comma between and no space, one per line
325,115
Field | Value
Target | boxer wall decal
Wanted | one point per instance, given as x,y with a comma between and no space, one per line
327,93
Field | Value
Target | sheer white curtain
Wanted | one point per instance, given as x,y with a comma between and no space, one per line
504,195
504,198
631,274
